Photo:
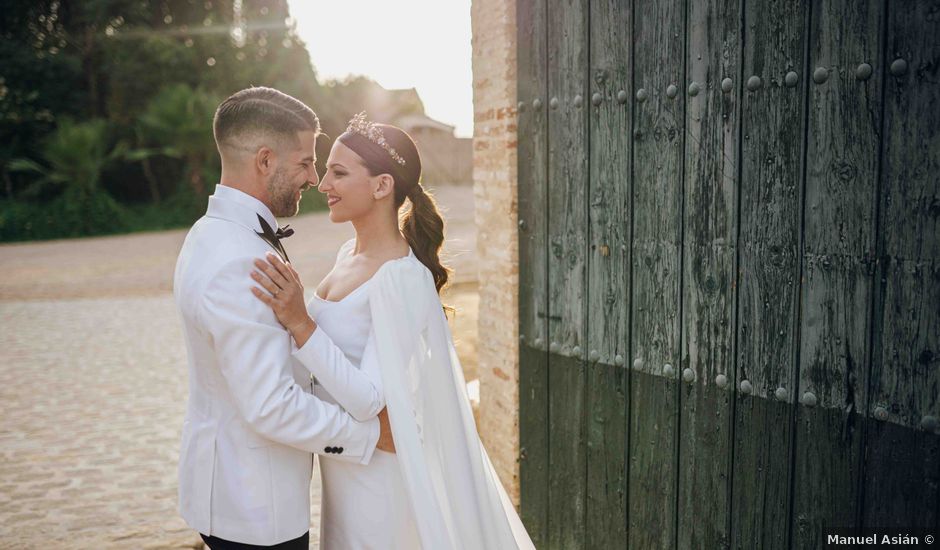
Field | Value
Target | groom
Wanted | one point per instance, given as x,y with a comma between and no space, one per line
251,420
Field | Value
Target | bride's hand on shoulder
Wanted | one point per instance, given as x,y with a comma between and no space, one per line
283,292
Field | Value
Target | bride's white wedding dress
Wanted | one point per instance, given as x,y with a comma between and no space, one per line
362,506
388,343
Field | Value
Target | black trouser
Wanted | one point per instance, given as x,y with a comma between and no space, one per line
300,543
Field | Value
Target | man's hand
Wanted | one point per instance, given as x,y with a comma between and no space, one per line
386,443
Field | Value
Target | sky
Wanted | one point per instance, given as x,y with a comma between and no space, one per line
422,44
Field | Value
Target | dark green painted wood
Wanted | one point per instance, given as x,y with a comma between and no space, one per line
608,269
711,152
785,235
567,244
658,122
768,269
533,269
902,470
534,439
843,129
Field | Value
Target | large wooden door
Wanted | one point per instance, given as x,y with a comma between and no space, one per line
729,302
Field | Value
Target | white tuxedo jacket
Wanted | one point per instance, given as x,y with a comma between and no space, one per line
251,421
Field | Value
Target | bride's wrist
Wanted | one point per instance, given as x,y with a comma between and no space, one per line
302,331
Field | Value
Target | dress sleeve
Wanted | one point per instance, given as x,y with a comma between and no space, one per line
358,390
253,350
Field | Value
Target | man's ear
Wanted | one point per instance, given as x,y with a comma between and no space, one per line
265,160
385,186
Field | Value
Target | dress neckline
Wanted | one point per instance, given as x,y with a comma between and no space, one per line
366,282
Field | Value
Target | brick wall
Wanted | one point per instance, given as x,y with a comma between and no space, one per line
494,186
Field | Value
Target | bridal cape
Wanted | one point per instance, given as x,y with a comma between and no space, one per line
457,498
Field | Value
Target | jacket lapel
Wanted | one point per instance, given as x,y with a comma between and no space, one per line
267,233
246,217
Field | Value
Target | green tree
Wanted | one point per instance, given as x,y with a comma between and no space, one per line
178,123
74,157
147,73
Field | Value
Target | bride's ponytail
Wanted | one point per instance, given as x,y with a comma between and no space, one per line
423,227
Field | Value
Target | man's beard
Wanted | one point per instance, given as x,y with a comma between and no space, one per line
282,192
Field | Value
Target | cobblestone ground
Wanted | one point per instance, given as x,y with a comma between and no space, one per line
93,381
93,395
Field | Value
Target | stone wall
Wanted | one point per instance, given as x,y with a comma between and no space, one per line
494,186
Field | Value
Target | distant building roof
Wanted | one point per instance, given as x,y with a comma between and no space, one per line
405,95
391,105
414,121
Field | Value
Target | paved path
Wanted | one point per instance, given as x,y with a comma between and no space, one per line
142,263
93,381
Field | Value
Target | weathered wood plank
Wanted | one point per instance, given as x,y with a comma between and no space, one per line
843,129
533,268
768,269
608,268
791,272
902,468
658,122
714,64
567,242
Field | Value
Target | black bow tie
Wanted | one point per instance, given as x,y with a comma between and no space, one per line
284,232
274,237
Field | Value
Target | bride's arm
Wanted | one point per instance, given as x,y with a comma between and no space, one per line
358,390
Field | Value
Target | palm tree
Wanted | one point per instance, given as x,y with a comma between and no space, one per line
178,123
75,155
73,158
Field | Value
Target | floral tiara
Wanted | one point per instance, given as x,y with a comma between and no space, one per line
360,125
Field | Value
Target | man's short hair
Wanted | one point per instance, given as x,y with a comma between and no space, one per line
260,113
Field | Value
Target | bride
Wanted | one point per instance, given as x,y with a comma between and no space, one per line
375,336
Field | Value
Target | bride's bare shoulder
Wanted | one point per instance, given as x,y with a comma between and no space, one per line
346,248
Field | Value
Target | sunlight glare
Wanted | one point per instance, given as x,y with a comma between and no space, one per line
422,44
